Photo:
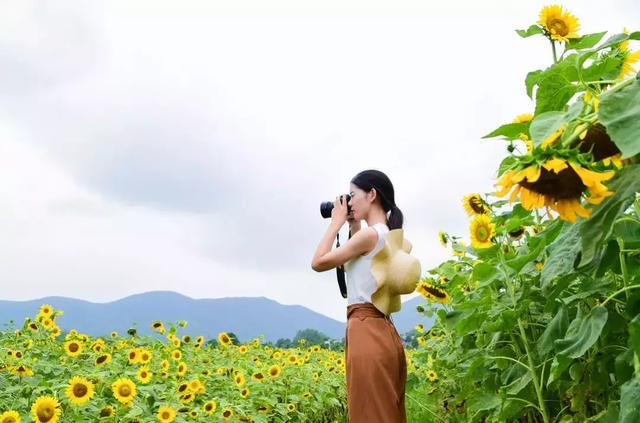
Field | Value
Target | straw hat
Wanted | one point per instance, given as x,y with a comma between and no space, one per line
396,272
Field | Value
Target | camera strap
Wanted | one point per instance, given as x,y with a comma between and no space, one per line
340,271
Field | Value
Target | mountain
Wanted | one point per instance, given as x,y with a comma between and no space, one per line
247,317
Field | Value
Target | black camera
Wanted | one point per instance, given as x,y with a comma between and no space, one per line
327,206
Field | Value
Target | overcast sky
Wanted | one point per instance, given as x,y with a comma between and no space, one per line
187,146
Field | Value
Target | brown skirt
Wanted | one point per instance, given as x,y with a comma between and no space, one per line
376,367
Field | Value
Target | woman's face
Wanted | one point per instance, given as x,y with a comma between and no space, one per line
359,203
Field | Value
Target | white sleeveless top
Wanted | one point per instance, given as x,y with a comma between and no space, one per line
360,281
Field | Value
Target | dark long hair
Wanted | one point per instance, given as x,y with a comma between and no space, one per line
371,178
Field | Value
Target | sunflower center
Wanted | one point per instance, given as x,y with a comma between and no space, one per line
124,390
482,233
435,292
559,27
73,347
166,414
45,413
80,390
208,407
101,359
476,205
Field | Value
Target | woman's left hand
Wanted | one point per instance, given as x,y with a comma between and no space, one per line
339,212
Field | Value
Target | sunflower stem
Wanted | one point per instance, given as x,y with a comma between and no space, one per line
553,47
623,265
628,288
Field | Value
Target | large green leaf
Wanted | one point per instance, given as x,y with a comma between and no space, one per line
555,89
583,332
586,41
634,335
558,366
545,124
597,228
555,330
562,254
510,130
532,30
532,251
531,80
630,401
620,113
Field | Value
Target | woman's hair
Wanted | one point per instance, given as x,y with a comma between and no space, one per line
371,178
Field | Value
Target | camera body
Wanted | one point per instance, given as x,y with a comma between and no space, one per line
327,206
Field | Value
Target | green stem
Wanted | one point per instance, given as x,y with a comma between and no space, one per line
534,375
496,357
628,288
623,265
421,405
553,47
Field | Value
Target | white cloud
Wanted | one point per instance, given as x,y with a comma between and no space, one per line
187,146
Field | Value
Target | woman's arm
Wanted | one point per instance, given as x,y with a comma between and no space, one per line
325,259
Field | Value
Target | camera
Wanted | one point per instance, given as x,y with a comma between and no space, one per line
327,206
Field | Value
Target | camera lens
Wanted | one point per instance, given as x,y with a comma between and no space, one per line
327,206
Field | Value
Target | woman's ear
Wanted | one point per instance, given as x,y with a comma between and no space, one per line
372,195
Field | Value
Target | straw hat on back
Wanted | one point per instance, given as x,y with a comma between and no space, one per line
395,270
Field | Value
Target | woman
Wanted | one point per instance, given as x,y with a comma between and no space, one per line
376,367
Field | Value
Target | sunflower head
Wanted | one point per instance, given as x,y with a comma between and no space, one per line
80,390
46,409
558,24
482,230
124,390
473,205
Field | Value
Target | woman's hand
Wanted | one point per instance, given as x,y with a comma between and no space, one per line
339,212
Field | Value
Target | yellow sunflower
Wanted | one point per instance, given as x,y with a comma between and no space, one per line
482,229
474,205
432,375
560,25
291,407
166,414
10,416
103,359
158,326
182,369
209,407
239,379
224,339
432,293
144,375
558,185
630,58
245,392
80,390
523,118
134,356
227,413
258,376
274,371
107,411
176,355
73,348
442,237
46,409
45,310
124,390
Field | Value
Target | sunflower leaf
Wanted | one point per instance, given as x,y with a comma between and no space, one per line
555,88
510,130
544,125
586,41
582,333
532,30
629,400
620,114
531,80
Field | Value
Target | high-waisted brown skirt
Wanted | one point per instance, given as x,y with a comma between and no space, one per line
376,367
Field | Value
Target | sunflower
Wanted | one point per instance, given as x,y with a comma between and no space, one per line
10,417
629,59
46,409
224,339
182,369
482,230
103,359
80,390
124,390
45,310
432,375
274,371
474,205
245,392
523,118
144,375
176,355
258,376
209,407
193,414
239,379
166,414
419,328
73,348
158,326
263,409
291,407
227,413
134,356
559,25
432,293
196,386
558,185
107,411
442,237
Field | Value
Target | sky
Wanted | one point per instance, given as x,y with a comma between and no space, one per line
187,146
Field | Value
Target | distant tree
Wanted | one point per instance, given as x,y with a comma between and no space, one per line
234,338
311,337
283,343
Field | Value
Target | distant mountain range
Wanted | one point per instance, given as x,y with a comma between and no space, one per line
247,317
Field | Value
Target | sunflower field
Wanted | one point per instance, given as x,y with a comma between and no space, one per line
48,377
538,319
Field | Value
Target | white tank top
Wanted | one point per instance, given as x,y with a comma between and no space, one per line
360,281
